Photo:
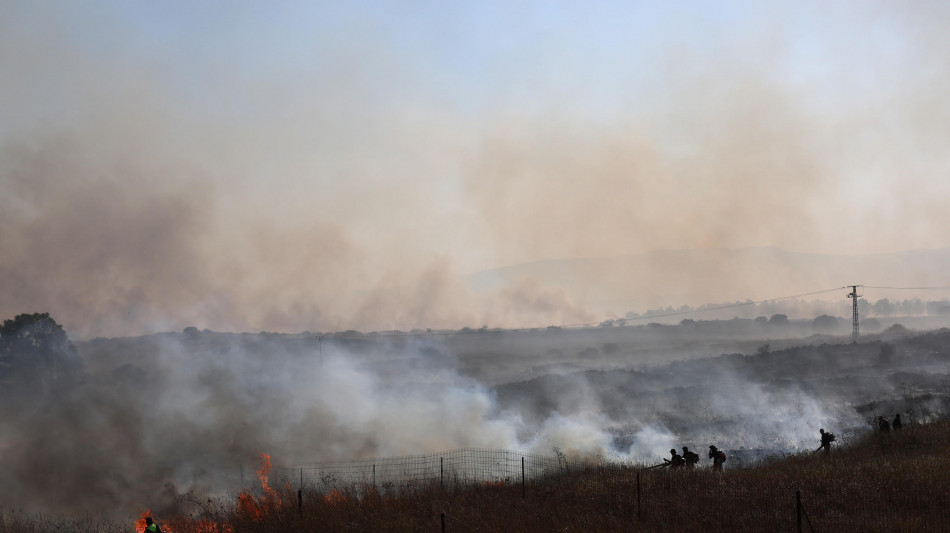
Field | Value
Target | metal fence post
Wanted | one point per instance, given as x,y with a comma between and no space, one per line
638,497
798,510
441,475
522,478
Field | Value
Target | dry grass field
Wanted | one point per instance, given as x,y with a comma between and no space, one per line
894,482
881,482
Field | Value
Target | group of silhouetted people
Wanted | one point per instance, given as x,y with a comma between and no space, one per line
690,459
884,427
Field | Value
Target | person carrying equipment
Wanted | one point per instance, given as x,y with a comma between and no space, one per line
717,456
883,425
690,458
676,461
827,438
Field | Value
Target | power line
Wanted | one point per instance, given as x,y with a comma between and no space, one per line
743,304
464,331
652,316
730,306
910,288
855,324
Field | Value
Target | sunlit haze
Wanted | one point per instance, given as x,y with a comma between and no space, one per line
322,166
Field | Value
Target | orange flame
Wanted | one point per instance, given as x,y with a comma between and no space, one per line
183,524
335,497
257,508
208,526
186,525
254,508
264,472
140,523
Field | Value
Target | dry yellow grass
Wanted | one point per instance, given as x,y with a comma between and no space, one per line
897,482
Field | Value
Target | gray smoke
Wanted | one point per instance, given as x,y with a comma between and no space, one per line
158,416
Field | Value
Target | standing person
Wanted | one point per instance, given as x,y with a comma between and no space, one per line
690,458
827,438
717,457
151,527
676,460
883,425
896,424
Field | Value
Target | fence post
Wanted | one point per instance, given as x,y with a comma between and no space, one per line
300,502
301,478
798,510
638,496
441,475
374,476
522,479
443,522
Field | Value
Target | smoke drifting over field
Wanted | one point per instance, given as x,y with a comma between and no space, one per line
162,167
340,166
157,416
178,411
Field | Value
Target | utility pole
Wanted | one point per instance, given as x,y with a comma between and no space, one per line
855,329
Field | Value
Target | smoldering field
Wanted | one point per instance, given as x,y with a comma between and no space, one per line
156,417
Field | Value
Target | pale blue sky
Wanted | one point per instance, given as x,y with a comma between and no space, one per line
475,55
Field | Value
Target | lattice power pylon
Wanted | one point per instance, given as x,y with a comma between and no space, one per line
855,328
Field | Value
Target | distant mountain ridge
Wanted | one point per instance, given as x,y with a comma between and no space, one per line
694,277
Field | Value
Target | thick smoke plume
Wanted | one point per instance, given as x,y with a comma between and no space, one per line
336,167
144,420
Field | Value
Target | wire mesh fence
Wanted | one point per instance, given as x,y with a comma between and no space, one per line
795,495
451,469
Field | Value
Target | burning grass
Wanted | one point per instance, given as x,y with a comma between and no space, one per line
256,509
894,482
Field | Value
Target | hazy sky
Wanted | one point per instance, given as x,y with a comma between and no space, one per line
241,165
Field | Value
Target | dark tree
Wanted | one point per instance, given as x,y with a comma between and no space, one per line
825,323
883,307
36,355
779,320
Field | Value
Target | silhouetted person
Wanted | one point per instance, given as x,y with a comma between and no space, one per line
827,438
897,422
151,527
717,457
676,461
690,458
883,425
